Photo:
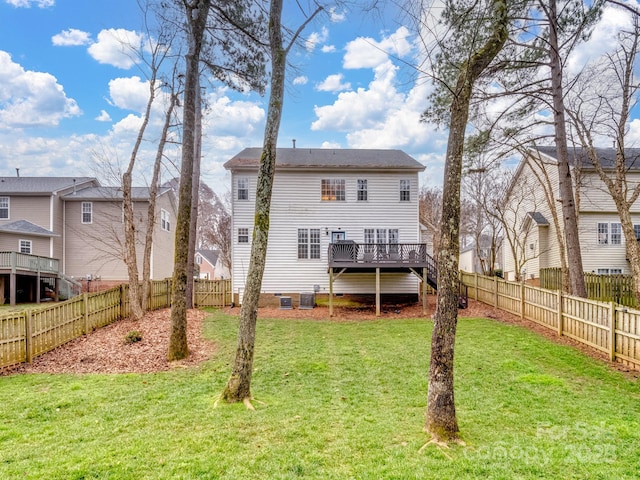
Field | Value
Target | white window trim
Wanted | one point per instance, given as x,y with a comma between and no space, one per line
243,235
29,242
82,212
165,223
605,237
407,190
8,207
334,186
245,181
309,244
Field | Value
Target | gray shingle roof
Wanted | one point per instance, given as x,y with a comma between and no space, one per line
607,156
26,227
328,158
538,218
210,255
110,193
41,185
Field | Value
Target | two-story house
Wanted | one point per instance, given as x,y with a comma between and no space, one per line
71,226
342,222
531,237
210,266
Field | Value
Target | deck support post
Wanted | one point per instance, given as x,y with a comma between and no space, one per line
424,292
331,292
377,291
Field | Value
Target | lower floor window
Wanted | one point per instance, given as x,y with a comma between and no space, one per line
609,271
309,243
25,246
243,235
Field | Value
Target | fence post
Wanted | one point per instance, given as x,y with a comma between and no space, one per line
612,331
28,340
122,310
475,286
85,307
522,302
559,312
168,292
495,290
224,293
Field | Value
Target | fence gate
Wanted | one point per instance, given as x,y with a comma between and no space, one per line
211,293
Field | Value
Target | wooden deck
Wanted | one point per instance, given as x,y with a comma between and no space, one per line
21,271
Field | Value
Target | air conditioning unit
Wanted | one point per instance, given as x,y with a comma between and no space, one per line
286,303
307,301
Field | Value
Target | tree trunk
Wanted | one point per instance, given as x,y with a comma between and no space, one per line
441,420
195,195
239,385
196,19
574,254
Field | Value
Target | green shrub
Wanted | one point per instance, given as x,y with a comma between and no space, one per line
132,337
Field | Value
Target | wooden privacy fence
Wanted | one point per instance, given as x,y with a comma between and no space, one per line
605,326
607,288
27,334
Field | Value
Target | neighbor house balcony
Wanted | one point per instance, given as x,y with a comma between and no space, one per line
22,263
388,256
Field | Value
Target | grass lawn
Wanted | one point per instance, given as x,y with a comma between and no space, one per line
334,400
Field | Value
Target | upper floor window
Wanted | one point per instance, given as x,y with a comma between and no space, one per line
609,233
362,190
243,235
243,188
25,246
333,190
309,243
636,230
198,259
405,190
164,220
87,212
4,207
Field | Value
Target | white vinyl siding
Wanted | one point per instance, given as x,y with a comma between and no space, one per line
4,208
297,203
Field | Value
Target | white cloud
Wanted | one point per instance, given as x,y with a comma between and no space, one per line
364,108
333,83
103,117
327,145
335,16
232,118
364,52
71,37
328,49
117,47
316,38
130,93
301,80
31,99
604,38
30,3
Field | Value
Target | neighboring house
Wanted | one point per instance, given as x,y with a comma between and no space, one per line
530,220
471,262
339,220
75,226
210,266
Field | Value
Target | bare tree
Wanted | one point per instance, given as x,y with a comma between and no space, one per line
602,108
238,387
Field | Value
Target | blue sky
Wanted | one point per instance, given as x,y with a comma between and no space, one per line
69,96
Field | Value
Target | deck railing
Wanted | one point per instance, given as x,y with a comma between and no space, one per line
25,262
377,253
